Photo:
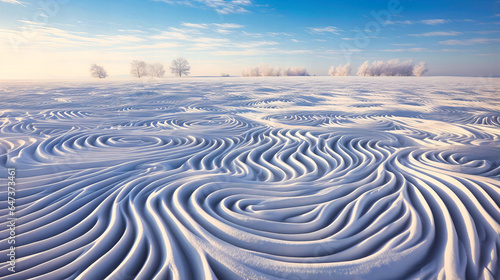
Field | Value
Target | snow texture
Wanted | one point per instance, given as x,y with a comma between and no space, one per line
237,178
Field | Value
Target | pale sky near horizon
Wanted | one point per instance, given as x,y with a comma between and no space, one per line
62,38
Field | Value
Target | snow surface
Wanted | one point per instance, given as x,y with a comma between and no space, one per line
253,178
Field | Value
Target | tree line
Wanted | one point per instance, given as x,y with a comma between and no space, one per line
394,67
138,69
180,66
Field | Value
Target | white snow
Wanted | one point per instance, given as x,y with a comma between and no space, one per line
253,178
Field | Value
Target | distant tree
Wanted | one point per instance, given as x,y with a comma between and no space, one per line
97,71
363,70
295,71
156,70
250,72
341,70
393,67
267,70
180,66
138,69
420,69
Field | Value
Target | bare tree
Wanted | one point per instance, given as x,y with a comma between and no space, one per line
97,71
180,66
156,70
138,69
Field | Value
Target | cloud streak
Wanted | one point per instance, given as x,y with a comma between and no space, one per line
434,21
220,6
13,2
323,30
406,50
424,21
469,42
437,33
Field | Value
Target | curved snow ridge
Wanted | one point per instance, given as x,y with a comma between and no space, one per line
374,198
62,114
230,124
16,127
207,193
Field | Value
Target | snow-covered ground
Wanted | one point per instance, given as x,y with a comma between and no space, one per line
253,178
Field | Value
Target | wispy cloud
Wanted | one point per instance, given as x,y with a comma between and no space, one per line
468,42
131,30
161,45
434,21
486,31
223,31
388,22
228,25
222,28
405,50
195,25
47,36
404,44
194,39
271,34
275,34
255,35
220,6
13,2
424,21
454,50
173,33
322,30
437,33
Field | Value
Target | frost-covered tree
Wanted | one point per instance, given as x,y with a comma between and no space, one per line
138,69
393,67
180,66
251,72
267,70
295,71
332,71
363,69
98,71
341,70
420,69
156,70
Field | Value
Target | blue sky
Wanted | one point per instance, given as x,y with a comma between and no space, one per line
62,38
